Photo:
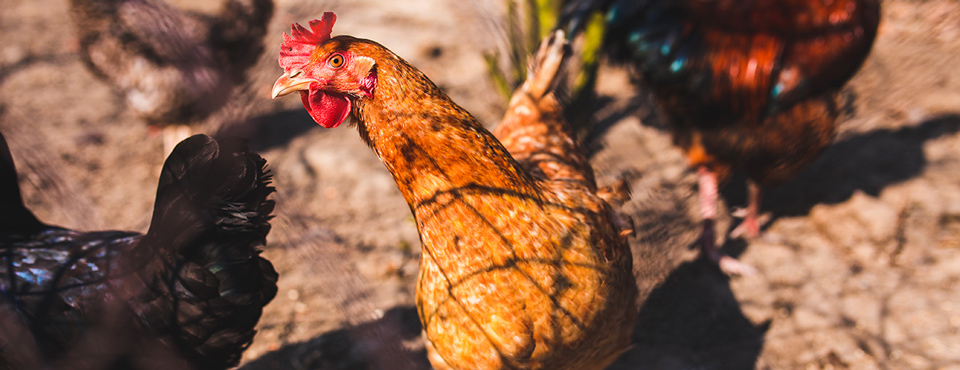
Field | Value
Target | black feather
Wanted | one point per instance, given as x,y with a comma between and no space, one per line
195,282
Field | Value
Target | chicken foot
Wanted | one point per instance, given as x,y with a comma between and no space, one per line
749,228
708,214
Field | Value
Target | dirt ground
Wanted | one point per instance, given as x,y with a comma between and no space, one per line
859,267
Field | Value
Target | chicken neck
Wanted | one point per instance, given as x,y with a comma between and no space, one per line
429,143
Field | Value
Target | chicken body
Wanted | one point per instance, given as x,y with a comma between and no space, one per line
189,291
522,265
173,67
745,84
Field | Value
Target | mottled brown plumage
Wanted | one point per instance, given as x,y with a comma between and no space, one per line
522,266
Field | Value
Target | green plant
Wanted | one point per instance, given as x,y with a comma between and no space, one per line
528,22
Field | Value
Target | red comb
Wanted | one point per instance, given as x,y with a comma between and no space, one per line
295,50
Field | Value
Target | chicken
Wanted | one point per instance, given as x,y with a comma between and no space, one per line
745,84
173,67
522,264
195,282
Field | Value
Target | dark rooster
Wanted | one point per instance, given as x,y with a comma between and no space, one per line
172,66
746,84
194,285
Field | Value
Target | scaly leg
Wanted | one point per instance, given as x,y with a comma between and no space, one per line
749,228
708,213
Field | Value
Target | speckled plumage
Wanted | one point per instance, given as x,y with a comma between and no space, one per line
519,270
193,284
522,265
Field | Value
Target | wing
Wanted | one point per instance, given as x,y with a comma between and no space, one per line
736,58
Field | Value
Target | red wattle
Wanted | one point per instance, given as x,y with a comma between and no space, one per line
328,109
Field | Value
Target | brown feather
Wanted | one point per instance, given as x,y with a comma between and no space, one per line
519,270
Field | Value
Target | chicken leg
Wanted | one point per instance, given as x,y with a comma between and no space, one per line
749,228
708,214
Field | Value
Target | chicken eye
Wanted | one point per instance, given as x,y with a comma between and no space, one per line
336,61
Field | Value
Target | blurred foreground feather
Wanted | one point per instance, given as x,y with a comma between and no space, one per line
194,285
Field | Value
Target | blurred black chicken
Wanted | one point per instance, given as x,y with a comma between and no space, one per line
194,283
747,84
172,66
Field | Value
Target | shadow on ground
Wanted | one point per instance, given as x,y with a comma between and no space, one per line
377,344
693,321
867,162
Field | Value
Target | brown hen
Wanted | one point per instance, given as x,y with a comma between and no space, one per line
522,265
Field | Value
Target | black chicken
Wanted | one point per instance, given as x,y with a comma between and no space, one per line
194,285
745,83
171,65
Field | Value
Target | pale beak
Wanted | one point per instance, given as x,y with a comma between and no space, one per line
287,84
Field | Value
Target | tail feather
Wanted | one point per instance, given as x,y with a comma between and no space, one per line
210,283
208,186
534,129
